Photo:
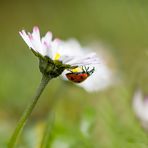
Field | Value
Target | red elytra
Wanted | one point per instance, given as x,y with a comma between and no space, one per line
78,77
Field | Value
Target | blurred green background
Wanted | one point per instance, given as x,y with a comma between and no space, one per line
121,24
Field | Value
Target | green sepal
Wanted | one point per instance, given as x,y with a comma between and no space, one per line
52,68
49,67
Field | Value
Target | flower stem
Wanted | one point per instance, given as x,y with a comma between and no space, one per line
28,112
47,135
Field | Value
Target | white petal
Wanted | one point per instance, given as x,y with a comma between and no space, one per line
71,48
36,33
66,59
86,60
55,47
46,43
25,38
44,46
47,38
36,41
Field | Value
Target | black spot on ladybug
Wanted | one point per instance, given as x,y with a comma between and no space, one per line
71,78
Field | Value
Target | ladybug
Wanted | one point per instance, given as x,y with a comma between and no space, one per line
78,77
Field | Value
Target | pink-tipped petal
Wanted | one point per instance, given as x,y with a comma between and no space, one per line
26,38
36,33
48,35
36,29
36,41
57,40
47,38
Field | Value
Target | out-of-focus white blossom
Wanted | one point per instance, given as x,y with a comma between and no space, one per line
140,106
103,75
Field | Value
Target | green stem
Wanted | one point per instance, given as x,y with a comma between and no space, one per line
28,112
46,139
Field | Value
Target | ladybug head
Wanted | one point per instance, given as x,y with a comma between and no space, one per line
86,70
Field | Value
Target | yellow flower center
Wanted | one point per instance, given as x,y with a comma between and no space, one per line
57,56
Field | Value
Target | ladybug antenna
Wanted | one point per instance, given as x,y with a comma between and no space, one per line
85,69
91,71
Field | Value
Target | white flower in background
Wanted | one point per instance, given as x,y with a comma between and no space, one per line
103,75
140,106
52,49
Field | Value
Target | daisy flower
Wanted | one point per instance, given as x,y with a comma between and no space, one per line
140,106
103,76
52,62
53,59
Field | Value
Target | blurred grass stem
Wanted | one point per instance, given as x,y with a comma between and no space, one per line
48,130
28,112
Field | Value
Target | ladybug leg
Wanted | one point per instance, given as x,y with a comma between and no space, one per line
70,70
91,71
87,68
83,68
